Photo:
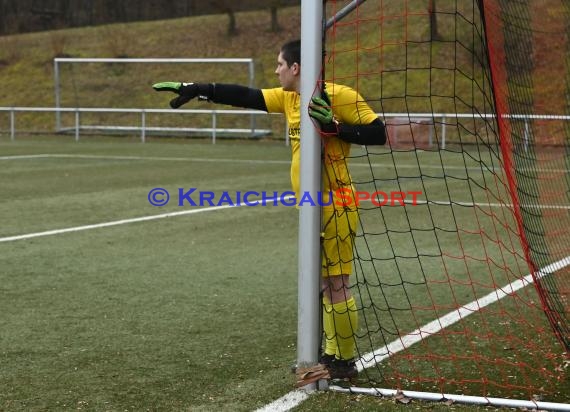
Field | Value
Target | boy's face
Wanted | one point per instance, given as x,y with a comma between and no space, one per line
288,76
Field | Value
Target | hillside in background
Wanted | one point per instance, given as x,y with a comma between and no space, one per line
21,16
26,60
381,52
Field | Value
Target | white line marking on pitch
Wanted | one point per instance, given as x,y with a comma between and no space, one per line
152,158
454,316
260,161
18,157
296,397
127,221
287,402
112,223
213,208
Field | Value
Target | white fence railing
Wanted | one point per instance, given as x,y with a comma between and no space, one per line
443,120
142,126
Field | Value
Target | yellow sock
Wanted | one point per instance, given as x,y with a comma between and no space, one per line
345,323
328,327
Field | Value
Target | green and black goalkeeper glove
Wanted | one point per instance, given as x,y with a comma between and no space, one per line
185,91
320,109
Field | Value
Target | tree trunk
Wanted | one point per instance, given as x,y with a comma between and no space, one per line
275,27
3,13
232,26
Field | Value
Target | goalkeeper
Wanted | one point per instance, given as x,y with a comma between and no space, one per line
344,118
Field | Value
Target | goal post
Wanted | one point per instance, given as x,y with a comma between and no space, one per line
308,338
109,73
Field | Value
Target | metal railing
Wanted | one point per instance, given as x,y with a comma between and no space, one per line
432,120
142,127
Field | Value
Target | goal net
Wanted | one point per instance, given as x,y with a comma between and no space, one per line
463,288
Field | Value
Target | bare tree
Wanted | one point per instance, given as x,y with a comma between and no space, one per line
3,13
274,6
275,27
227,6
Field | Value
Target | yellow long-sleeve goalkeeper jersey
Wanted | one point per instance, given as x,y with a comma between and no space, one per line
348,107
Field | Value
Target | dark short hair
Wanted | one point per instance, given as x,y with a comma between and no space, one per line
292,52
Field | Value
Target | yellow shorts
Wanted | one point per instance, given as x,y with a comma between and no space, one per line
337,240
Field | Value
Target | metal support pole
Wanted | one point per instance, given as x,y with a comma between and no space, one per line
526,135
57,95
462,399
214,124
12,125
309,218
443,120
251,84
76,125
342,13
143,126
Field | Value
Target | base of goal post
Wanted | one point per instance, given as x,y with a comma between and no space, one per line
463,399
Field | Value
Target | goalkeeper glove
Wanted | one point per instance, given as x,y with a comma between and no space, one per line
320,109
185,91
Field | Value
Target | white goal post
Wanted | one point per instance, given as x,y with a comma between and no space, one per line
57,62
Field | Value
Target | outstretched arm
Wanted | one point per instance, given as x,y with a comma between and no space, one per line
231,94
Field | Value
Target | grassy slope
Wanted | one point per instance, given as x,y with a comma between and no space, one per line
391,61
378,52
26,60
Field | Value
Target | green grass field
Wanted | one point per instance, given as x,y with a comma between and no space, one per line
108,303
195,311
171,314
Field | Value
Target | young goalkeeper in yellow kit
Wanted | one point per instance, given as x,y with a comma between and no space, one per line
344,118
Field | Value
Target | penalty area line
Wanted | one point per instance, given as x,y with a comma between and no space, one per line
112,223
124,221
